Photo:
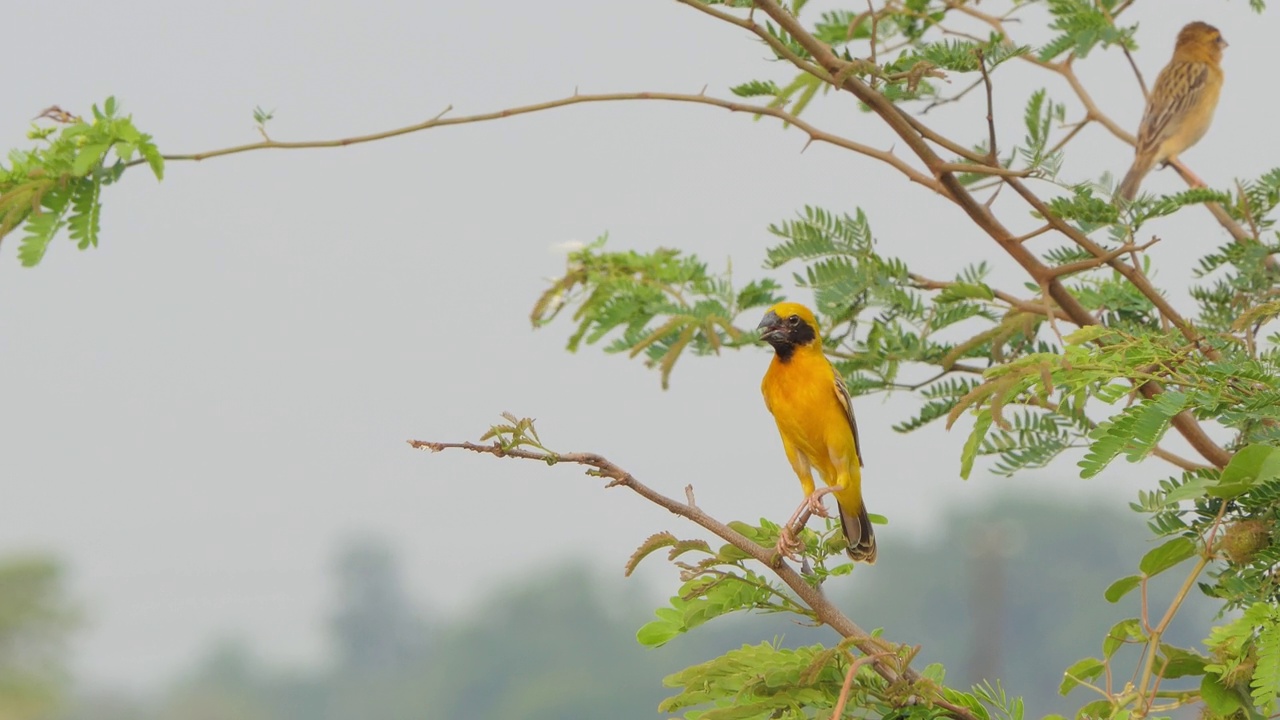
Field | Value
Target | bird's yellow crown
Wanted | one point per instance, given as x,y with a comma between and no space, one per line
787,309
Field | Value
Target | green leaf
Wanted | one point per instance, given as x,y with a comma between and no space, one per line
88,158
84,224
1125,631
652,543
656,633
41,227
1250,466
1084,670
154,158
1219,698
1096,710
756,88
971,445
1121,587
1266,676
1166,556
1190,490
1179,662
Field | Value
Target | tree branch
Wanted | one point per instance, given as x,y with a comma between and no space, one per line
872,647
815,134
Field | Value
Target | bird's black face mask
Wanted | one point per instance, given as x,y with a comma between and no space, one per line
785,334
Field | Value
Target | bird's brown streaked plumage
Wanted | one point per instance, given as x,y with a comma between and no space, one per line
1181,105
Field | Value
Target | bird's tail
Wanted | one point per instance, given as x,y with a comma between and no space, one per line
857,530
1129,186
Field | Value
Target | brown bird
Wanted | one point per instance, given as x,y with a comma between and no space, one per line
1181,104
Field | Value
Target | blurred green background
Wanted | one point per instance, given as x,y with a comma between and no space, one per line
1012,592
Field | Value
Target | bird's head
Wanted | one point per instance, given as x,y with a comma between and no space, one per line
1200,41
787,326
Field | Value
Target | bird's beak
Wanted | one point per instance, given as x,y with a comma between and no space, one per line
771,326
1222,43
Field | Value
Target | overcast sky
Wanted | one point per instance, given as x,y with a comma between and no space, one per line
195,414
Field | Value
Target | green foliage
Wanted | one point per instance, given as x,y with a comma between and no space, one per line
768,680
1084,208
1083,25
1039,118
968,56
1031,390
36,620
1252,639
659,304
58,184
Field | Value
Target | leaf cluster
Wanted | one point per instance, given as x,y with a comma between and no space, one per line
658,304
58,184
768,680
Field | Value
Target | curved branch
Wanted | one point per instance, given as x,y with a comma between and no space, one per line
829,614
815,134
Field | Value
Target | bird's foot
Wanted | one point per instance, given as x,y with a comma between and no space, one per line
789,546
814,504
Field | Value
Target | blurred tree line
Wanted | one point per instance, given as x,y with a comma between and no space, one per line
36,620
559,645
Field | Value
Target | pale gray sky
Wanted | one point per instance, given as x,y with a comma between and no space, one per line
195,413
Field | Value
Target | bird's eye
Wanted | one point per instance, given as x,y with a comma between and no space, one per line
793,320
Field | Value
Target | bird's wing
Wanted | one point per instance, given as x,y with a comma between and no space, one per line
842,395
1178,89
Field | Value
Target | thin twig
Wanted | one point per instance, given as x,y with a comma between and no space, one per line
1081,265
1153,640
951,98
1136,72
1028,306
992,157
439,121
854,666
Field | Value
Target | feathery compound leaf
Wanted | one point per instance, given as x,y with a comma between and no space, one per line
59,183
1084,207
1266,675
657,304
964,55
83,225
756,88
654,542
970,451
42,226
1083,25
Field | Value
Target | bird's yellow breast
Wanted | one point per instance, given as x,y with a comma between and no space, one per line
801,393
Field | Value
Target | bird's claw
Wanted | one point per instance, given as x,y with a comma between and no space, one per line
814,502
789,546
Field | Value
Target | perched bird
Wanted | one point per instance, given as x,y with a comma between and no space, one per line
811,405
1181,104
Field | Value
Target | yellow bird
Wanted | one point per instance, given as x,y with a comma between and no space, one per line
1181,105
811,405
